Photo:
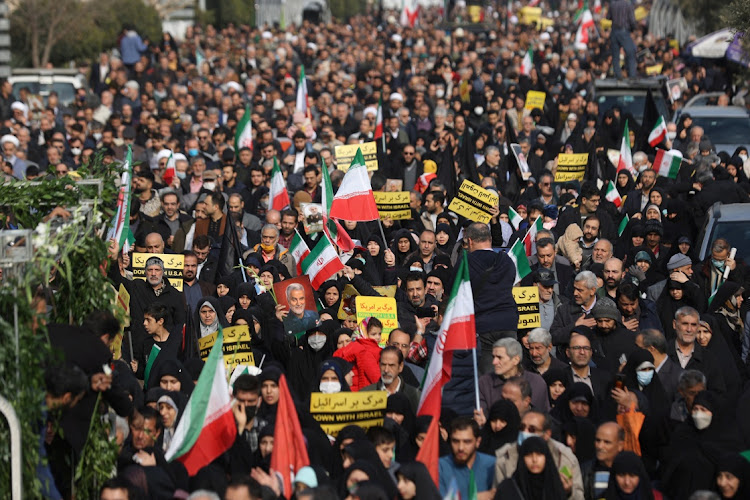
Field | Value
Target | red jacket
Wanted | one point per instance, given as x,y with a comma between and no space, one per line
364,354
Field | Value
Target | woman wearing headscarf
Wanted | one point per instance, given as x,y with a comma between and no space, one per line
362,451
624,184
734,370
170,375
577,401
208,317
303,361
329,294
331,379
733,477
632,237
376,252
558,381
674,296
228,304
415,482
628,479
725,307
535,478
501,427
402,245
696,446
579,436
171,406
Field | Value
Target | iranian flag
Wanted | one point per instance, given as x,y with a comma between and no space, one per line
529,241
354,200
518,255
527,63
207,428
322,263
667,163
598,6
170,171
515,219
626,158
658,134
623,225
379,123
423,182
299,250
120,231
278,197
409,14
612,194
457,331
243,138
302,92
331,227
582,35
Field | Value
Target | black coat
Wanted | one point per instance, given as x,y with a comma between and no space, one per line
572,215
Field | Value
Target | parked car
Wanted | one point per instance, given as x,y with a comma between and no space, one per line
630,96
726,221
40,82
728,127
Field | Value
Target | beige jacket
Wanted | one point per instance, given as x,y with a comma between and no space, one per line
507,459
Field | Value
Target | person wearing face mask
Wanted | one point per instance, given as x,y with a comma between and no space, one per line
246,393
331,379
697,445
303,363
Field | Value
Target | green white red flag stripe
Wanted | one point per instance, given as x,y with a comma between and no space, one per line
667,163
582,35
623,225
331,227
659,133
322,262
527,63
354,200
299,250
457,331
612,194
301,104
243,138
278,197
207,428
515,219
529,241
121,222
626,158
517,254
379,122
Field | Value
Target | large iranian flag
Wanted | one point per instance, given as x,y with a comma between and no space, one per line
667,163
243,138
527,63
278,196
331,227
626,158
582,35
299,250
207,428
354,200
120,231
322,263
458,331
517,254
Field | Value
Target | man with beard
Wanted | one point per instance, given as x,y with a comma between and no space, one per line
540,352
590,237
549,301
171,215
613,274
299,319
192,287
215,224
545,253
391,381
637,313
588,205
639,198
145,194
289,218
465,461
611,341
251,223
143,293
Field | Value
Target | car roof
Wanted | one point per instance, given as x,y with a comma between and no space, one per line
640,83
732,212
715,111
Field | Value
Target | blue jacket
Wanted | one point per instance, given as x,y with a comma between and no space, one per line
492,275
131,48
649,316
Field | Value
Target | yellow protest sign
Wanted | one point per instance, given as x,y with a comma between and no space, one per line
527,302
394,205
383,308
236,347
335,411
571,167
654,70
386,291
122,303
529,15
535,99
345,155
473,202
173,264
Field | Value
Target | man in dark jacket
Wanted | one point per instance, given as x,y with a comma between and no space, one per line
709,274
637,313
611,340
492,276
569,316
588,204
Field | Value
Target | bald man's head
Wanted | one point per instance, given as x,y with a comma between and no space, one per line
154,243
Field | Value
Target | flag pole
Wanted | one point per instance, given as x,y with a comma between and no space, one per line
476,379
382,233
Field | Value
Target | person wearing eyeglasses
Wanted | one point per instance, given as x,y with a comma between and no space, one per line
579,354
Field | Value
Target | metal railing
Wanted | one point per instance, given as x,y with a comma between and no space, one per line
15,447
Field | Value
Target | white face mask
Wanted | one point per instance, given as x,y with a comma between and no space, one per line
671,135
316,342
97,136
181,175
743,156
209,185
478,110
702,419
75,151
439,93
330,387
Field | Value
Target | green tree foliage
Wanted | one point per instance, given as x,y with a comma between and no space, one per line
222,12
703,13
344,9
737,15
73,30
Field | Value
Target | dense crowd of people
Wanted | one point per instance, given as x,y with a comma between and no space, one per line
632,385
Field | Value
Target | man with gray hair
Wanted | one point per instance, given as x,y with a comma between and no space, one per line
669,371
569,316
203,495
506,362
540,359
270,249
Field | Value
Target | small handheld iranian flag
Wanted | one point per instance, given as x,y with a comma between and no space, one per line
623,225
515,219
301,104
626,158
120,231
278,197
207,428
379,123
667,163
582,35
354,200
299,250
244,136
517,254
322,263
658,134
170,171
612,194
527,63
529,241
